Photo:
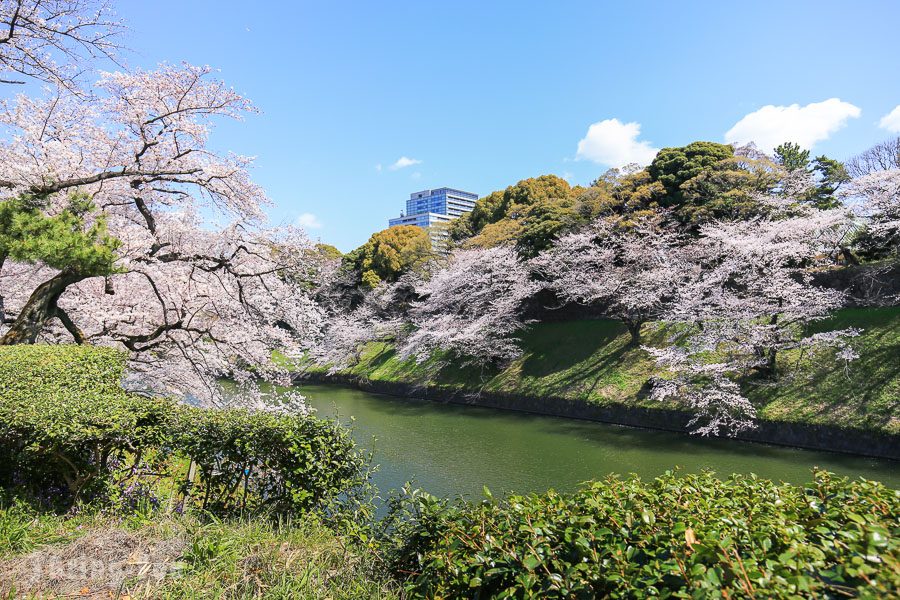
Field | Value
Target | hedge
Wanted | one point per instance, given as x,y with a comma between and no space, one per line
69,433
253,461
676,536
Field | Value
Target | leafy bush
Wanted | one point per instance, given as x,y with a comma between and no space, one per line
250,461
675,536
70,433
66,424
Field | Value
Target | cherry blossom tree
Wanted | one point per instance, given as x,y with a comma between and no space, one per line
751,298
381,316
55,41
633,273
192,299
879,192
707,388
470,308
759,275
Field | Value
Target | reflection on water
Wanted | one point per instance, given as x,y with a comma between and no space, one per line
451,450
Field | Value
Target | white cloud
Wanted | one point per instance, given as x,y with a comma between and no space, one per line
309,221
891,121
404,162
804,125
378,167
615,144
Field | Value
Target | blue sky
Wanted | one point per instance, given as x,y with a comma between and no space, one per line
487,93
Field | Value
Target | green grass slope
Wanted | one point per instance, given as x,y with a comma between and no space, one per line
591,361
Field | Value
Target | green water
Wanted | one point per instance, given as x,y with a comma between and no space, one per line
452,450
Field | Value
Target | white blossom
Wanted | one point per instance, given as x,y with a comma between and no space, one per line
37,33
633,273
192,299
879,192
471,308
752,297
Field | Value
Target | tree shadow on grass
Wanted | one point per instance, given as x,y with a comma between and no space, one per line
867,394
555,347
468,375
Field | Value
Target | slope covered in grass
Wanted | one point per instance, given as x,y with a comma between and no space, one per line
591,361
866,394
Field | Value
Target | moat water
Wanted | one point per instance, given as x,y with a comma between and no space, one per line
454,450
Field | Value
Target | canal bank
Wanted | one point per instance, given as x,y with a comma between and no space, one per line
809,436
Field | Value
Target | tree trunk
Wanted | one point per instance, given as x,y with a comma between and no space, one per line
634,329
40,308
849,257
2,307
769,370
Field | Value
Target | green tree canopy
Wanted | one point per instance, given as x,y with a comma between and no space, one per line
67,241
389,254
727,190
511,203
674,166
790,156
328,251
831,175
694,184
828,173
73,240
542,223
705,180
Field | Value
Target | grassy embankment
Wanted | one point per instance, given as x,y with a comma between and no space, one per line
591,361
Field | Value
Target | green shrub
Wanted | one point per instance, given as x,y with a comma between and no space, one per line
70,433
66,424
690,536
253,461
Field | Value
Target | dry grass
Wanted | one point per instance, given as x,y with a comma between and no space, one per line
106,563
182,556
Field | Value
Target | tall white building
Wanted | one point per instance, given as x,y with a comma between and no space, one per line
434,209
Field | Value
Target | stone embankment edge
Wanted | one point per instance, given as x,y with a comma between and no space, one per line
780,433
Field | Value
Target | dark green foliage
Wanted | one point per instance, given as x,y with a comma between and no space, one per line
674,166
66,424
488,209
830,174
64,241
70,241
542,223
726,190
790,156
461,228
705,181
389,254
512,203
676,536
69,433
